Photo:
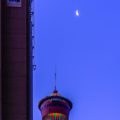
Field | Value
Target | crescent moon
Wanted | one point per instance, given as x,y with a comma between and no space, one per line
77,13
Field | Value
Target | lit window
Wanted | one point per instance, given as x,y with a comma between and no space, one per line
14,3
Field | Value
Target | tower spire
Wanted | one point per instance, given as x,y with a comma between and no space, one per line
55,83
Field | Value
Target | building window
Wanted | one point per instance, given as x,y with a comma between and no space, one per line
14,3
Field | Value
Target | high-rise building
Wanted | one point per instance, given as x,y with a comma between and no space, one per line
16,60
55,107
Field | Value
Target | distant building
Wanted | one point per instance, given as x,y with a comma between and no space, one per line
55,107
16,60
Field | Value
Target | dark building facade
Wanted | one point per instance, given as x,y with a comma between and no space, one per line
16,60
55,107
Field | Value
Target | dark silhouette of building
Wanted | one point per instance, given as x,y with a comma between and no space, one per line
55,107
16,61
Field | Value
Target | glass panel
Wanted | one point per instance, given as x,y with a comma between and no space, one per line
14,3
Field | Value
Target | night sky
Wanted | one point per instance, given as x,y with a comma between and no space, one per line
86,52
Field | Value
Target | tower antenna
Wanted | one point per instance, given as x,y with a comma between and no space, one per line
55,81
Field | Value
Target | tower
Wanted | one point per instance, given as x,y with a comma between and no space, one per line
55,107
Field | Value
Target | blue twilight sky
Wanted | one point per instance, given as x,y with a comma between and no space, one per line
86,51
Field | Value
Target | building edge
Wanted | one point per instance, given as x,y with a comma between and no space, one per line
29,62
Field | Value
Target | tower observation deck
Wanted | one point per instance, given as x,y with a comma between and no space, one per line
55,107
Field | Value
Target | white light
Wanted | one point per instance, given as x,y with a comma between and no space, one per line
77,13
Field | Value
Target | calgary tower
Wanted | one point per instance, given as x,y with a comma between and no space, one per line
55,107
